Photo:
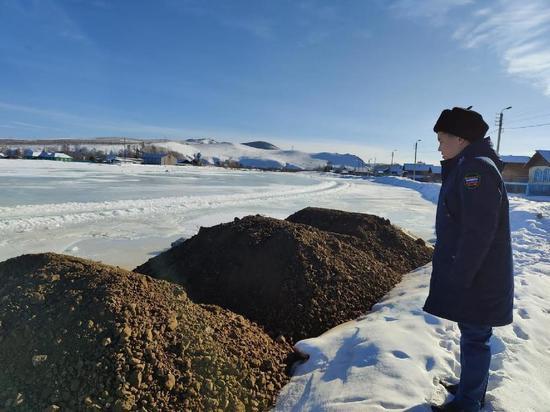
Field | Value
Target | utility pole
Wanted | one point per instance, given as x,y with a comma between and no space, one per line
392,152
500,127
414,167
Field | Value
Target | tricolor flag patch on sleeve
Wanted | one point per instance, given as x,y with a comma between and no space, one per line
472,180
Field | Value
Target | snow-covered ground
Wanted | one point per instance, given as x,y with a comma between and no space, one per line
393,357
125,214
390,359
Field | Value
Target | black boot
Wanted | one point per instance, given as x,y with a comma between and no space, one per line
452,406
452,388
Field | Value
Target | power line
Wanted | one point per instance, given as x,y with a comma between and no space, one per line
515,120
527,113
530,125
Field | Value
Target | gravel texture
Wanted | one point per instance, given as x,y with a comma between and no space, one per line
79,335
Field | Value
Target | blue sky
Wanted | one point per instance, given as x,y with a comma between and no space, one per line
360,76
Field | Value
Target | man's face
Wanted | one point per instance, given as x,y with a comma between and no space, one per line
450,145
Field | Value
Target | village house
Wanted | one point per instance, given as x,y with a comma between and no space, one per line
515,173
114,159
539,174
13,153
394,170
418,171
60,157
384,169
422,172
31,154
159,159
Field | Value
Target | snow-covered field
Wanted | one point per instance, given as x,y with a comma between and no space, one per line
390,359
393,357
123,215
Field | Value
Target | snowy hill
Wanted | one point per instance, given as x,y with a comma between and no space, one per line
339,159
202,141
262,145
261,155
216,152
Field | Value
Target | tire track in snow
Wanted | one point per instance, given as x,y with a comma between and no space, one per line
26,218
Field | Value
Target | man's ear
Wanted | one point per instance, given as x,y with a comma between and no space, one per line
462,142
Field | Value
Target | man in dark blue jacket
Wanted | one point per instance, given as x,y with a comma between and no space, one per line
472,279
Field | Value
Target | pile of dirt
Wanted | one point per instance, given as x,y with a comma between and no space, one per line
293,279
79,335
389,245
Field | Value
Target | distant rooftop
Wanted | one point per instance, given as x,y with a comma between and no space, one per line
545,154
515,159
61,155
419,167
154,155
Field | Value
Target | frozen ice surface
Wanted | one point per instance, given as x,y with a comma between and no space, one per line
123,215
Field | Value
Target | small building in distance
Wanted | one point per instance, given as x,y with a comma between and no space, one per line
13,153
60,157
387,170
422,172
114,159
31,154
159,159
539,174
394,170
515,173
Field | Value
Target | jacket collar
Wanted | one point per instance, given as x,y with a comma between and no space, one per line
479,148
447,166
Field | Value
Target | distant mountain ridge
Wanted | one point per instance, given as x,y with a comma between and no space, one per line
259,144
255,154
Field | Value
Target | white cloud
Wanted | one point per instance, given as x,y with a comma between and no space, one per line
30,125
258,27
51,17
435,10
517,31
68,120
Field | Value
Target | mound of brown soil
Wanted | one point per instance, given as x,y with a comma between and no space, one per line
389,245
293,279
78,335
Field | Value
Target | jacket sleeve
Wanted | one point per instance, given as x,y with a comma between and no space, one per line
480,200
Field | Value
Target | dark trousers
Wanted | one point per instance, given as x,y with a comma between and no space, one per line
475,358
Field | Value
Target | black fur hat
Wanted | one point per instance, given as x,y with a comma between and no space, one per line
463,123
